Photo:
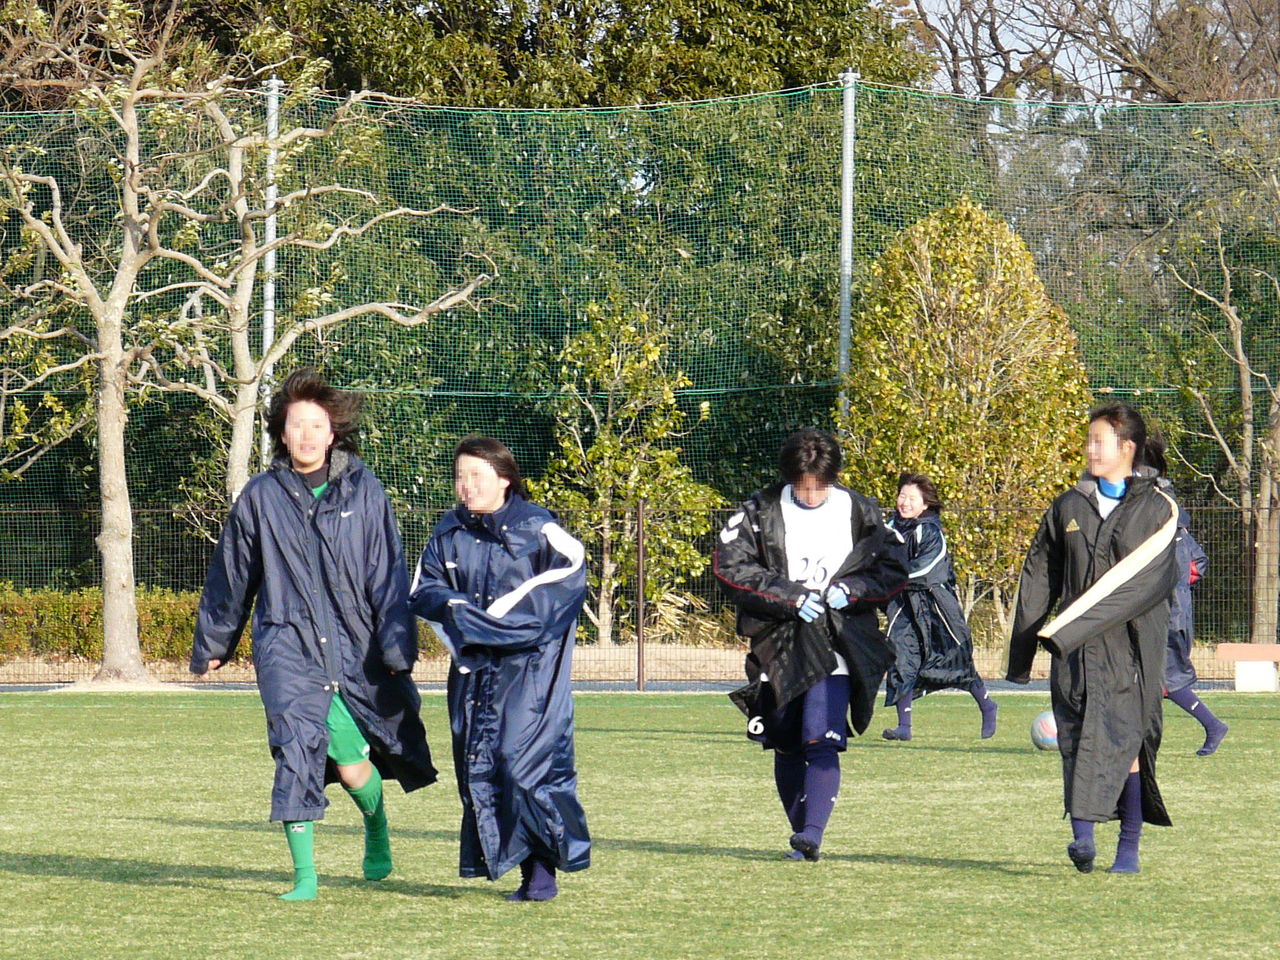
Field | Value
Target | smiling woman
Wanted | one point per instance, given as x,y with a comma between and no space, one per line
1104,559
313,541
502,584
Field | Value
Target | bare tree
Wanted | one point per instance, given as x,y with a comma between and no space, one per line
157,294
1245,429
986,48
1166,51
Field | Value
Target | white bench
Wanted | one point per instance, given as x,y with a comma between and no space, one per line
1255,665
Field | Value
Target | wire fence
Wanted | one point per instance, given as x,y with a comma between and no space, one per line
682,632
722,221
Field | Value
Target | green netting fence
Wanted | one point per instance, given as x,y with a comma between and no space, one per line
715,224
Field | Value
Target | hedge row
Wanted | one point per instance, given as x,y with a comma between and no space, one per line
65,624
59,624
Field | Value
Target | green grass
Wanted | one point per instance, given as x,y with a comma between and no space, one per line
134,826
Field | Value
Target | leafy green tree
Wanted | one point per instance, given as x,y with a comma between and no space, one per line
582,54
617,426
963,369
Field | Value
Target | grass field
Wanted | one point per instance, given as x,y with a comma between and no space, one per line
134,826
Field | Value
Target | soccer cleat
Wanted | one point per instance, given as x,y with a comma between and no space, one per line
897,733
1212,740
793,855
1082,853
807,847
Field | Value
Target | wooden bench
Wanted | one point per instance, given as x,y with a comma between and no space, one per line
1255,665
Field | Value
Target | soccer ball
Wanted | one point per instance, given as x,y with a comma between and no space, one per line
1044,731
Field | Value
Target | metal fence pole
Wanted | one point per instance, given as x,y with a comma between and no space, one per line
848,81
640,586
274,86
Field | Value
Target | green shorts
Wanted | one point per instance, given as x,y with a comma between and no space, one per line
346,743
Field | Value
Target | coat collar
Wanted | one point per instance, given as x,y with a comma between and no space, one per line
904,525
516,523
1143,478
344,466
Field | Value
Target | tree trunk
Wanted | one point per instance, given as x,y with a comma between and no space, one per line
243,439
121,654
1266,570
604,602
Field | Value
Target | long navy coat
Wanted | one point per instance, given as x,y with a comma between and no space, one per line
504,590
932,646
1179,672
1110,581
331,586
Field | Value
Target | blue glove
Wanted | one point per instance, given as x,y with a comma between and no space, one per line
837,598
810,607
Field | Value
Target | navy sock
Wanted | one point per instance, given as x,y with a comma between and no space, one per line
542,881
1214,729
978,690
903,730
1188,701
537,881
821,786
1081,830
788,774
1130,826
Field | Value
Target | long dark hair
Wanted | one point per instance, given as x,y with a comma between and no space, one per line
307,384
1156,455
1148,449
497,455
928,492
810,452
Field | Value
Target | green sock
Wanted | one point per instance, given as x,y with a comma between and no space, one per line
300,835
377,839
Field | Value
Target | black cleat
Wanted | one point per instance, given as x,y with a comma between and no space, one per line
805,846
1082,853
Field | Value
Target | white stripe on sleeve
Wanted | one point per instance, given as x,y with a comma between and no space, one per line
1120,574
561,542
936,560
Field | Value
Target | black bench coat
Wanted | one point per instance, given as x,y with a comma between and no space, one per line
1114,578
751,564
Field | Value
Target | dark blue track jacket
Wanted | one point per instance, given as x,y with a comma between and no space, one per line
504,590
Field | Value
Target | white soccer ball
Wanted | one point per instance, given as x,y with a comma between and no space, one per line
1044,731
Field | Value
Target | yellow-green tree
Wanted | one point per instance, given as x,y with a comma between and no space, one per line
618,423
963,369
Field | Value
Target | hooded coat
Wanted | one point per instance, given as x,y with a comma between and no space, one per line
750,563
1193,563
932,646
1110,581
327,583
504,590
